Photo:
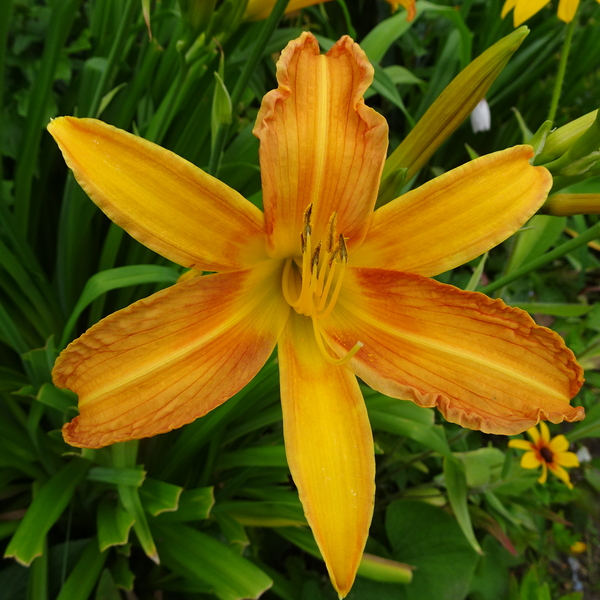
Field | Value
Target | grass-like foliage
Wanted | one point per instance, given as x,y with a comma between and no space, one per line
210,510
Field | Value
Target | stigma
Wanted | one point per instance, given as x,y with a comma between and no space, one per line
321,270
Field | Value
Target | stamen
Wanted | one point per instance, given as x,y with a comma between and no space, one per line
285,284
334,361
319,270
332,232
338,283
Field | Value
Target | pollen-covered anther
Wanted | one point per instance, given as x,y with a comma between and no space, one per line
321,274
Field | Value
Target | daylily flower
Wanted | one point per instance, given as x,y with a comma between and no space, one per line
525,9
342,290
546,453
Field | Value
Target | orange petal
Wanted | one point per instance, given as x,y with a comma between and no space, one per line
525,9
566,459
521,444
162,200
529,460
485,365
261,9
319,144
329,447
409,5
457,216
170,358
561,474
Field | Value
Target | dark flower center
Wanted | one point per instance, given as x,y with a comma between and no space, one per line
547,454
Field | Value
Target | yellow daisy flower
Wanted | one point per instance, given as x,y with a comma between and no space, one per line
548,453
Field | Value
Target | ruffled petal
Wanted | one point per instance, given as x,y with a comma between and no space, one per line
170,358
566,459
329,447
525,9
521,444
319,144
457,216
529,460
162,200
561,474
485,365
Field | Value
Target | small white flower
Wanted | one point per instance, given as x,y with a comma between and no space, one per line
583,454
481,118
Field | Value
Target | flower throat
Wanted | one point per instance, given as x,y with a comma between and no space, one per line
322,273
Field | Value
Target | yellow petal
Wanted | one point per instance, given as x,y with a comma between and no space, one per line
529,460
559,444
172,357
319,144
457,216
534,434
525,9
521,444
544,433
329,447
566,459
561,474
483,364
544,474
261,9
567,10
162,200
508,6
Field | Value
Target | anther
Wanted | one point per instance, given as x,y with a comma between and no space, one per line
314,263
332,232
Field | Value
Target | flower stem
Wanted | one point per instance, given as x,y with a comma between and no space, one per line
562,67
250,65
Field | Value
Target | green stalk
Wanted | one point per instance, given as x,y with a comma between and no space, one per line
591,234
562,67
5,12
115,55
249,68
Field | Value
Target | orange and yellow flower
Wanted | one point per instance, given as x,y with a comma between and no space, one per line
546,453
343,290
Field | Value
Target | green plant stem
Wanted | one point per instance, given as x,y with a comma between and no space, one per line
591,234
5,13
115,55
266,32
562,67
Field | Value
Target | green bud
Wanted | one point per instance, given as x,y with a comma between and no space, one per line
450,109
561,139
581,160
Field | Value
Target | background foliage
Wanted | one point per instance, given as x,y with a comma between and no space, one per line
209,510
